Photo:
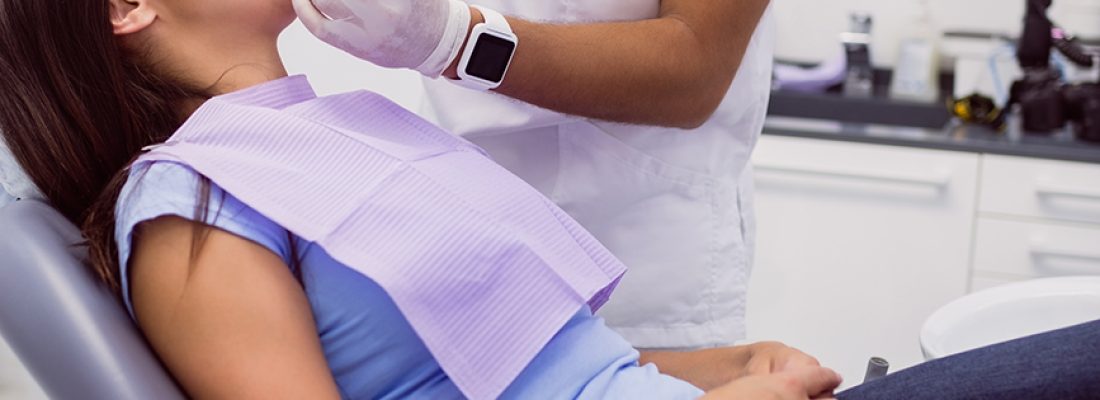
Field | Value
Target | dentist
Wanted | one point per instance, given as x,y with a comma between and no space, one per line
637,117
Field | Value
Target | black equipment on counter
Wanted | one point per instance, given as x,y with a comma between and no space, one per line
1046,103
980,110
1083,108
1036,42
1039,94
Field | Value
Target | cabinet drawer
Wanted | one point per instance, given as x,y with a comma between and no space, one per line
1041,188
863,169
1033,250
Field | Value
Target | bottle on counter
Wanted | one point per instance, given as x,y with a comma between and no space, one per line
916,75
859,80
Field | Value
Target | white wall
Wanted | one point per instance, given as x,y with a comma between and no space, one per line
333,71
808,29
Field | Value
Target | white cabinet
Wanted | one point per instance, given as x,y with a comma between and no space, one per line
1053,190
1025,249
1037,218
857,245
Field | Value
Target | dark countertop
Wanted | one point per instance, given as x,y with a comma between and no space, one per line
882,120
966,138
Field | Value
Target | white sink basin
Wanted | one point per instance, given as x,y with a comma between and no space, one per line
1008,312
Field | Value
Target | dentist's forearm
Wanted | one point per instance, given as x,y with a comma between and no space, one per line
670,71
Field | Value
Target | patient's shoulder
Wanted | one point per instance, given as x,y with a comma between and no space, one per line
164,188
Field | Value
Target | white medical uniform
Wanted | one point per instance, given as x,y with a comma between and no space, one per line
674,205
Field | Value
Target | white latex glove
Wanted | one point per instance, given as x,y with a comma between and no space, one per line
424,35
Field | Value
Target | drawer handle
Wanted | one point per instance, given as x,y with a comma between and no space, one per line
1043,251
1051,190
937,181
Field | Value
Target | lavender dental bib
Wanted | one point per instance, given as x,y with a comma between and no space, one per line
485,269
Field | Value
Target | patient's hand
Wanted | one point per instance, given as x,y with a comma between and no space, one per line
771,357
712,368
795,383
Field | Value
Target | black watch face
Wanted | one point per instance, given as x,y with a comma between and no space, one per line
490,58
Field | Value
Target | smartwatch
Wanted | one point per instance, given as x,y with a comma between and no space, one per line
488,52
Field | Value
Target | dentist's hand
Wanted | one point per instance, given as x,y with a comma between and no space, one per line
424,35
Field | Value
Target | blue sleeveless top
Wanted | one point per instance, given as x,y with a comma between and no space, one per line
371,349
484,267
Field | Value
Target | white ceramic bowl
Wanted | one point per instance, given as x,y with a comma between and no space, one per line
1008,312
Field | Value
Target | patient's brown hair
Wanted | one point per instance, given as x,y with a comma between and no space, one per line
77,108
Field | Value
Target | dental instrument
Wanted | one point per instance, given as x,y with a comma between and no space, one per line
876,368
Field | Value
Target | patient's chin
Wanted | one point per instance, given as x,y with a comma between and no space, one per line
268,16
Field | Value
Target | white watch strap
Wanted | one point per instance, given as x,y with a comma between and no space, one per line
494,19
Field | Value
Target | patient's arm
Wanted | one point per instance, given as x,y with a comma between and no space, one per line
706,369
233,324
673,70
760,371
712,368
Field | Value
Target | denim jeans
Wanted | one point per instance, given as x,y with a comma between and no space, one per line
1058,365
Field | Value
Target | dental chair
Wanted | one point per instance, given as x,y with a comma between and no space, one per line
69,330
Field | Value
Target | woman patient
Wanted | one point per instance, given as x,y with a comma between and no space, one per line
238,305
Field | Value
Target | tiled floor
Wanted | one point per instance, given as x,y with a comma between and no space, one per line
15,382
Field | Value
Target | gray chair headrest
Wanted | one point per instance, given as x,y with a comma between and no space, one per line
73,335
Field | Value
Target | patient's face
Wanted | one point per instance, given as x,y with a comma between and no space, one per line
201,42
